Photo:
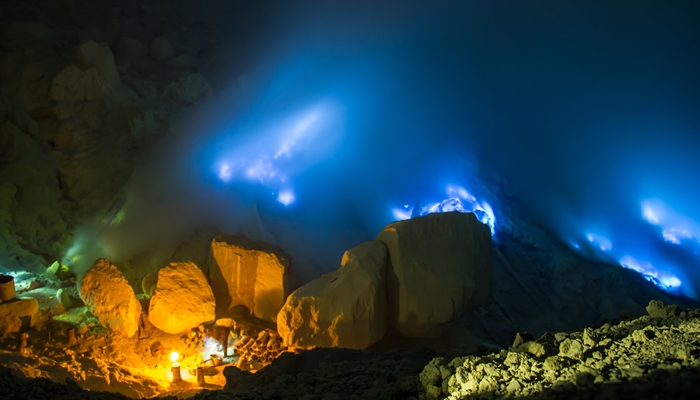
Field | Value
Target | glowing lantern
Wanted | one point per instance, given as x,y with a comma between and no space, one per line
174,356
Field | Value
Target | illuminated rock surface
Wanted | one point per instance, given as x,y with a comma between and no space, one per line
642,358
346,308
440,267
182,300
629,359
17,314
249,273
110,298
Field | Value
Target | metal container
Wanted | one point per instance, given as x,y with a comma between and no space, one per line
7,287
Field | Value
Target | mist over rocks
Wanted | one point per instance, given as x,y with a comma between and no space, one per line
116,120
79,104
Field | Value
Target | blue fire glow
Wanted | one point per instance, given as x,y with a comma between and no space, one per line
272,155
664,280
661,258
459,200
599,241
286,197
676,228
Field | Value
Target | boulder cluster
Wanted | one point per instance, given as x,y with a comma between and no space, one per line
182,299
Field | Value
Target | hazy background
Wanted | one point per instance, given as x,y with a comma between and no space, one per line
587,107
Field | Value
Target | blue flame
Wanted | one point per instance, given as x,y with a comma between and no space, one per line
273,154
286,197
674,242
663,280
600,241
459,200
675,226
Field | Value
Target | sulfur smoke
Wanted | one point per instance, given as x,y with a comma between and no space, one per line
589,111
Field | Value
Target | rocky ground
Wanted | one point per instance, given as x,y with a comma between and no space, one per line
654,356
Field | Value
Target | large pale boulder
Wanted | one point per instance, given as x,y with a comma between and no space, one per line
183,299
249,273
17,314
346,308
92,54
77,84
440,266
110,298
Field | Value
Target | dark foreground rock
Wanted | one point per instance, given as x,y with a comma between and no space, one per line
651,357
13,388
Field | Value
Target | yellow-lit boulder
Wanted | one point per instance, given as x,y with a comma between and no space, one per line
249,273
183,299
17,314
110,298
440,266
346,308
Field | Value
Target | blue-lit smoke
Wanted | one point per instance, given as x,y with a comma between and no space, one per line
273,153
587,111
584,111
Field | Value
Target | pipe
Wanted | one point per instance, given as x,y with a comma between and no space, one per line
200,376
71,336
23,342
177,376
7,287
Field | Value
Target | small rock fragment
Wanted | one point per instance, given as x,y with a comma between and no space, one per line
534,348
571,348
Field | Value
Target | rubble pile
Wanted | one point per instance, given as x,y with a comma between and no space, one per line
257,352
654,356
